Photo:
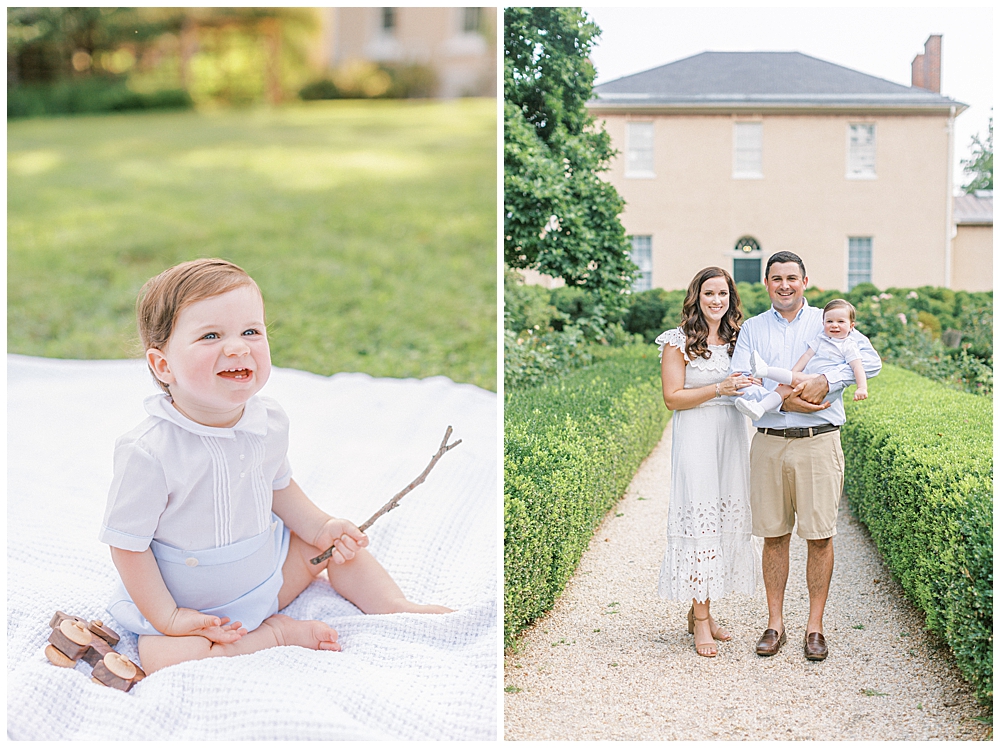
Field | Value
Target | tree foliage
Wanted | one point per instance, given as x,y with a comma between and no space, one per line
210,52
560,218
980,166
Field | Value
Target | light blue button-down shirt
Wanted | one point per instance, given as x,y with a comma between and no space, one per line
781,343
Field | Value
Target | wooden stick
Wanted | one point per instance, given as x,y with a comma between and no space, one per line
391,504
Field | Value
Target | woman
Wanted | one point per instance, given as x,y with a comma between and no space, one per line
710,551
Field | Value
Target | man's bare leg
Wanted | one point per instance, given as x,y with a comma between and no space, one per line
157,652
775,567
819,572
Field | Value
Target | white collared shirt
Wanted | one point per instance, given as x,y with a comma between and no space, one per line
827,350
192,486
781,343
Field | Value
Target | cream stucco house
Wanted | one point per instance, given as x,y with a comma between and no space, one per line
458,44
728,157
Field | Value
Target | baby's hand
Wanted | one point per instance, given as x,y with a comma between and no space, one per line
344,536
861,394
188,622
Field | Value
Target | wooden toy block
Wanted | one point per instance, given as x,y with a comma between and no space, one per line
74,639
117,671
109,635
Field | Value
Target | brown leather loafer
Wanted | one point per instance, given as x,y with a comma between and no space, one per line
770,643
815,646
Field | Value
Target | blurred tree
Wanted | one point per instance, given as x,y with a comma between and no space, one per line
260,50
980,166
560,218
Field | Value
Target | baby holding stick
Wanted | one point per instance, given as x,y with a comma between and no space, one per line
208,531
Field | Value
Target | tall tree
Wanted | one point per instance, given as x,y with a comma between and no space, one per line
560,217
980,166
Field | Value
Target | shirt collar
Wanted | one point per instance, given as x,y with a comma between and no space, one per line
805,305
253,420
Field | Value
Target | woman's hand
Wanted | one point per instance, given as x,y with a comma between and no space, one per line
188,622
735,382
344,536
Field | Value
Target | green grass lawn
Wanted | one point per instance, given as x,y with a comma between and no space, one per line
370,227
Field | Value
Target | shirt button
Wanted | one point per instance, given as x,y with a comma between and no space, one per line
192,562
241,457
243,475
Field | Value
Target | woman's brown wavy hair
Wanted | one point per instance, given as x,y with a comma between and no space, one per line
693,321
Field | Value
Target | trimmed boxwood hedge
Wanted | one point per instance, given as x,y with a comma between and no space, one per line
570,450
920,475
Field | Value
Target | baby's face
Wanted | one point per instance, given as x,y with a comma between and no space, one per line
837,322
217,357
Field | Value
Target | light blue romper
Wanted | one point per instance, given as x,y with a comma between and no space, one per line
200,498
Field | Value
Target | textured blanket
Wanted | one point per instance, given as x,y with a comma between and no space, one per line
354,442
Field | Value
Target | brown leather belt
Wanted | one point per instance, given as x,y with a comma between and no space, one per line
800,433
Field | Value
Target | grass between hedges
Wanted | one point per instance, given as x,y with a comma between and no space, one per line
370,227
571,449
920,476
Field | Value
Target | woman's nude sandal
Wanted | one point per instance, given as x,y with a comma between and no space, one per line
705,649
717,631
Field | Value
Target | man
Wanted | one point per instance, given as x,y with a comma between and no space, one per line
796,463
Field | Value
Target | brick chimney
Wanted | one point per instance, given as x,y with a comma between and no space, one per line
925,71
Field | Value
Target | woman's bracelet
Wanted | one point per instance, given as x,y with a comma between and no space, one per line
717,393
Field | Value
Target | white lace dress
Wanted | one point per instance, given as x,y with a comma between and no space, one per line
710,549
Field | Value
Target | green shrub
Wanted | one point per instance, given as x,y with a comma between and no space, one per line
570,451
651,312
920,475
91,95
753,298
531,357
365,80
526,307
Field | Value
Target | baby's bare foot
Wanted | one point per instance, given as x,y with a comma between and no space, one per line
308,634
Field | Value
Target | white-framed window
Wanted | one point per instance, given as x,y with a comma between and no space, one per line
861,151
859,260
748,150
642,255
639,150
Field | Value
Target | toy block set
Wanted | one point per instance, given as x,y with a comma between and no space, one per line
75,639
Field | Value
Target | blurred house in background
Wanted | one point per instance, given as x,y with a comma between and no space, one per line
729,157
457,44
972,247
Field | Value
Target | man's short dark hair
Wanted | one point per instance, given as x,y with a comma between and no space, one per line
784,257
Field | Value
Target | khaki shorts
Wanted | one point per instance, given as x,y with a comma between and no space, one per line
792,478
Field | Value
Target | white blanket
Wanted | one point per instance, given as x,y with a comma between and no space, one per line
355,441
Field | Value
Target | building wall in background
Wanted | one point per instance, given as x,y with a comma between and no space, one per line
459,44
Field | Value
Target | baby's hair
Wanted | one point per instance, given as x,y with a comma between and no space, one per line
163,297
840,304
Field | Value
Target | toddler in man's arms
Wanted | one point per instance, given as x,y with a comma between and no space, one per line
830,348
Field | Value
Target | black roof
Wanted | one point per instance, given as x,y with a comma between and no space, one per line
761,79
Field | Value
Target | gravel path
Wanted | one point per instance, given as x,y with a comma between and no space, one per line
613,661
